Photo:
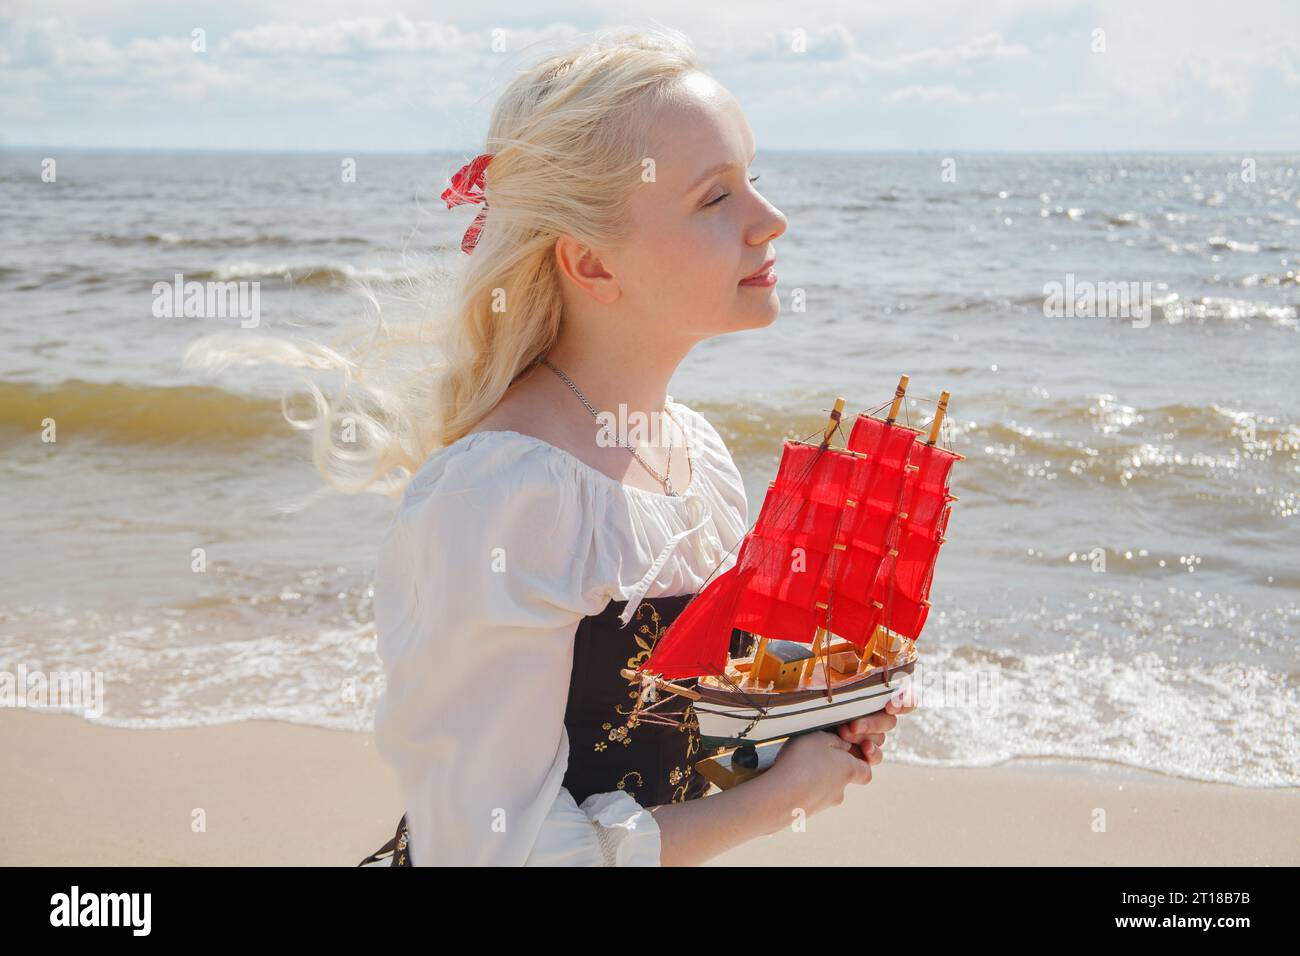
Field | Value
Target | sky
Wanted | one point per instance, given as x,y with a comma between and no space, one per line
393,75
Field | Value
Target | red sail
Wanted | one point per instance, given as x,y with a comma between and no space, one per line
791,544
696,643
789,578
698,640
873,521
904,585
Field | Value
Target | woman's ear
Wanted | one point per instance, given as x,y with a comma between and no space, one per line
583,267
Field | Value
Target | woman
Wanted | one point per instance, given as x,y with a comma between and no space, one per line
618,229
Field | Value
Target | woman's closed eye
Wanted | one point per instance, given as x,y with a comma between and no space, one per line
752,179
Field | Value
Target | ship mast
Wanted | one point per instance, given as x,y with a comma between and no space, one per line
882,640
821,637
832,423
868,650
938,418
898,399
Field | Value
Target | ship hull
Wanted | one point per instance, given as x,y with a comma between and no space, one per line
732,723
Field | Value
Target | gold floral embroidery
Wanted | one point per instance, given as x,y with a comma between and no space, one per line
692,725
640,781
400,857
646,636
676,777
680,778
652,632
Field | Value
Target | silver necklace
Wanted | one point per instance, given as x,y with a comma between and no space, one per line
662,479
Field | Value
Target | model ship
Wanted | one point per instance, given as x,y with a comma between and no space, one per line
832,583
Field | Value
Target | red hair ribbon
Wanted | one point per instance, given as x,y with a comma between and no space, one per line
462,190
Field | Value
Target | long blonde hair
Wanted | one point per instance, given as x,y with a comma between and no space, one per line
568,142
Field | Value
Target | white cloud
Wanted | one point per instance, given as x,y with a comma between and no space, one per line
1185,75
943,93
1198,62
392,34
53,42
990,46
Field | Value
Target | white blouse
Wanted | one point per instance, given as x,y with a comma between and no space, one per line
501,545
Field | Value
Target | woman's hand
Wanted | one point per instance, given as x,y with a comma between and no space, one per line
873,727
812,771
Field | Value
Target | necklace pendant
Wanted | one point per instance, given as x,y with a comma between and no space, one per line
668,485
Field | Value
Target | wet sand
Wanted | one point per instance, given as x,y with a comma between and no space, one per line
275,793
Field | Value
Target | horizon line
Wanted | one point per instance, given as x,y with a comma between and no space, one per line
326,151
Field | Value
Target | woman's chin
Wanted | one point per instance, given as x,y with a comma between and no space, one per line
761,316
745,319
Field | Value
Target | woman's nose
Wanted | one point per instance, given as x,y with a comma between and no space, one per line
771,225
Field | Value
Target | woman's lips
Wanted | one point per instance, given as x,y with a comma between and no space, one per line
762,279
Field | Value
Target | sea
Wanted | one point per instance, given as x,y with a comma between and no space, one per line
1121,578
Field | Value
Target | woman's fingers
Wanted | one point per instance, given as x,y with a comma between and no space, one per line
878,723
903,703
868,752
875,726
861,771
857,737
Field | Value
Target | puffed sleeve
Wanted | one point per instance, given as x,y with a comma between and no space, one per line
480,584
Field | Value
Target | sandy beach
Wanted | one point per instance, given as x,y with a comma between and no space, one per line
278,793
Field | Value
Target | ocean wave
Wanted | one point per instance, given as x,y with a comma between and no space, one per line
335,273
221,242
139,414
1247,459
753,427
1231,245
1124,219
1169,308
310,274
158,676
983,708
1212,248
1290,277
1173,309
64,275
1154,688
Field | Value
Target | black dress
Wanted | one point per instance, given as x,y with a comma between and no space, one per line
608,748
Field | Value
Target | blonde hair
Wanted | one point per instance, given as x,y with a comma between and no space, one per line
568,142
